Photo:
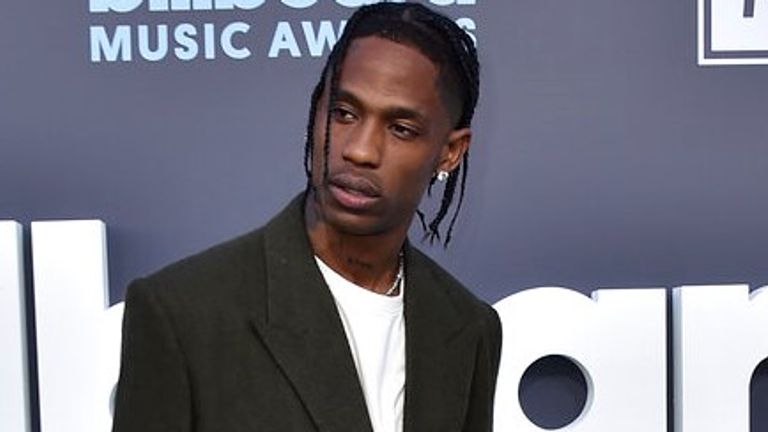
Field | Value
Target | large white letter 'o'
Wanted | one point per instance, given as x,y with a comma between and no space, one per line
618,339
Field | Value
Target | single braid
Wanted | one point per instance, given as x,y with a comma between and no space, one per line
434,227
464,169
331,103
464,47
309,135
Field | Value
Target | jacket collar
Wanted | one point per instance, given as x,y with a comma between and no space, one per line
439,348
302,329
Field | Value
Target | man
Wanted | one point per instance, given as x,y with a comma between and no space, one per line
327,319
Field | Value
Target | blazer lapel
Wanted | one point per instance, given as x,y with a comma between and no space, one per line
440,357
303,331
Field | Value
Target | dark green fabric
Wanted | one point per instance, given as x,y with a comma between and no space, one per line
246,337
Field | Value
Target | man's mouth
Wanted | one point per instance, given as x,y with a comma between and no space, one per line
354,192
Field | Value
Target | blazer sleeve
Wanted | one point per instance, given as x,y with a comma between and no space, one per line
153,391
480,409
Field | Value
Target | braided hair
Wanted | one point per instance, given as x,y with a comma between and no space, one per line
442,41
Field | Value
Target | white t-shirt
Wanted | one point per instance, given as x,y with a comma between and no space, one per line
375,331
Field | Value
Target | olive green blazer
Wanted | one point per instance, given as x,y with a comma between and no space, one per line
246,337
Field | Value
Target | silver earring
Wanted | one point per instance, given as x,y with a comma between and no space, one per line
442,176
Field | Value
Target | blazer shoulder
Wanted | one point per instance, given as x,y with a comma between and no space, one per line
226,277
207,276
461,296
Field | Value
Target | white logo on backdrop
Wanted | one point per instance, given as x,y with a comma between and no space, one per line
188,36
618,339
733,32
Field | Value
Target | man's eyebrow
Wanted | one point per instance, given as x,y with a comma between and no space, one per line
347,96
405,113
395,112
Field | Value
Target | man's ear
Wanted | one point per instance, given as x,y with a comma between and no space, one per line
454,150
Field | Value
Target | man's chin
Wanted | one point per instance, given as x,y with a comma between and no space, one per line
350,221
354,224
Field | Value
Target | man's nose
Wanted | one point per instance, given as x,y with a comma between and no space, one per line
364,145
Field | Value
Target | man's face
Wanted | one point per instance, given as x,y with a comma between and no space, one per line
390,131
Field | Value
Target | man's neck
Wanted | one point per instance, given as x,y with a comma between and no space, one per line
370,261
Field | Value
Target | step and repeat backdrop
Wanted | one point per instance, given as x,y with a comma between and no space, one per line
620,152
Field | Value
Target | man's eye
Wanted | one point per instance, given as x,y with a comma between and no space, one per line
342,114
404,131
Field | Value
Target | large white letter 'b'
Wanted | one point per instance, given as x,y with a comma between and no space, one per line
14,387
78,334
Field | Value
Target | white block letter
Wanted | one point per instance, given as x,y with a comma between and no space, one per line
299,4
181,5
617,338
358,3
720,338
78,334
158,53
226,41
209,41
159,5
202,5
238,4
119,45
184,35
469,26
325,36
14,387
284,39
113,5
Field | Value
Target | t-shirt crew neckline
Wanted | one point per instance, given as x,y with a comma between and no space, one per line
359,295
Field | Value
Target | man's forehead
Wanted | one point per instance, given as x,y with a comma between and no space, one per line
376,46
398,75
374,58
367,55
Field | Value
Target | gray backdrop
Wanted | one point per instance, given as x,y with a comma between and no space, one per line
603,155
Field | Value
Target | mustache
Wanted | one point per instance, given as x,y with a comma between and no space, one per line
356,182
